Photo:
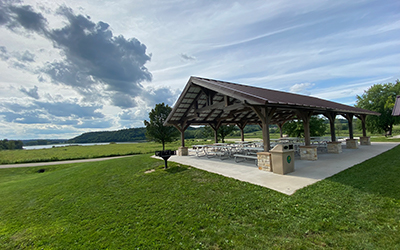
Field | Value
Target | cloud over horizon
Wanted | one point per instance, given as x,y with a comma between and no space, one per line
100,67
91,54
78,66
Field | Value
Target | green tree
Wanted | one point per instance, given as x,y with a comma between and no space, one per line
295,128
380,98
222,132
155,129
10,144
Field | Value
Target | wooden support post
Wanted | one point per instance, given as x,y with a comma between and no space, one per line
182,150
265,132
241,126
215,127
349,118
331,117
307,136
265,114
280,126
364,140
362,118
182,138
305,116
182,128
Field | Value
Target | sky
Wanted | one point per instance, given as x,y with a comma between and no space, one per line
70,67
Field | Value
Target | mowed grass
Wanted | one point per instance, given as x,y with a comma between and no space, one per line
115,204
81,152
98,151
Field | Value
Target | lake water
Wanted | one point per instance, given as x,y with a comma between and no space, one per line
69,144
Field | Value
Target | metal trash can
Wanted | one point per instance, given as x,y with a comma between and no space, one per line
282,156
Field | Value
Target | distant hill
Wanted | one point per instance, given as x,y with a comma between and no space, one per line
34,142
123,135
138,134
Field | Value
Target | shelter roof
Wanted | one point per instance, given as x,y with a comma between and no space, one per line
396,108
208,101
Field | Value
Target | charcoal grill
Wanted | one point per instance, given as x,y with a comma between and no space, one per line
165,154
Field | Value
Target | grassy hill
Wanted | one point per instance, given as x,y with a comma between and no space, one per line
116,204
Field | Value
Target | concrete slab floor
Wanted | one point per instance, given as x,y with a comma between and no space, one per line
306,172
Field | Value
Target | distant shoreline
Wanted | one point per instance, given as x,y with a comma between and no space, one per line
73,144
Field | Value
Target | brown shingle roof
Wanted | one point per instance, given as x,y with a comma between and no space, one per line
206,101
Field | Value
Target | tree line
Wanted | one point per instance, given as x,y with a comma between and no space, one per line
10,144
123,135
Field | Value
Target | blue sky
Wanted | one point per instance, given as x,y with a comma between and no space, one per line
69,67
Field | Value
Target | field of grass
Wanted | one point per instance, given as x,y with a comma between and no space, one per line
97,151
82,152
116,204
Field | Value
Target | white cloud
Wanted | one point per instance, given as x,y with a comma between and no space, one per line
302,88
329,49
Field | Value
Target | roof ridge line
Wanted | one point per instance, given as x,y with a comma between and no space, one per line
232,88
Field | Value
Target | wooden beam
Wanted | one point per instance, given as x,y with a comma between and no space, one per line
280,126
349,118
265,129
220,105
217,105
305,116
194,104
363,118
331,117
241,125
258,112
264,114
182,128
226,100
215,127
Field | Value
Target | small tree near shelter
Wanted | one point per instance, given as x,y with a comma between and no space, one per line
155,129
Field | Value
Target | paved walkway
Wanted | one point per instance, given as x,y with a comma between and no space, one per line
37,164
306,172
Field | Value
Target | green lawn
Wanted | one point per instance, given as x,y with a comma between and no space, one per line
116,205
82,152
87,152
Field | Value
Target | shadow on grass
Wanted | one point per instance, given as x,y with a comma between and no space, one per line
379,175
176,169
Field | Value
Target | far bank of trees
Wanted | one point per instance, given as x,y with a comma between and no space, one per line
10,144
123,135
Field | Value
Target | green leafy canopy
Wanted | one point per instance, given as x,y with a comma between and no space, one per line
155,129
295,128
222,132
380,98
